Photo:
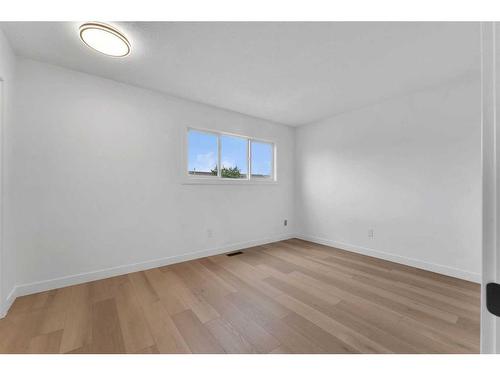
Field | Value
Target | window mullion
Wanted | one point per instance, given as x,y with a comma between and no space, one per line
219,171
249,159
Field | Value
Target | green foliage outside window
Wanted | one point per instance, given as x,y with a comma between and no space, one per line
226,172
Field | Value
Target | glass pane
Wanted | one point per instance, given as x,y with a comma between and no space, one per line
262,160
234,162
202,153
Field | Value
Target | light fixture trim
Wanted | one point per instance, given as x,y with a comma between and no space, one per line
108,29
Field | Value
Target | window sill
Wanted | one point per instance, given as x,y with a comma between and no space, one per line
210,181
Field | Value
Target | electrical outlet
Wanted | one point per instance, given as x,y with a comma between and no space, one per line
371,233
210,233
285,222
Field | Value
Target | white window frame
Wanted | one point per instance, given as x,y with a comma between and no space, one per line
199,179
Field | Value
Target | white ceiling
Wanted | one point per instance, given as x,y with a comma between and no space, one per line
292,73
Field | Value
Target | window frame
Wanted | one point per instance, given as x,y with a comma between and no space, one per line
199,179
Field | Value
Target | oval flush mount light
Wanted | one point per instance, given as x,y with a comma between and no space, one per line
105,39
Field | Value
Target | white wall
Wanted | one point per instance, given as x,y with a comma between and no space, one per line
7,68
93,180
408,168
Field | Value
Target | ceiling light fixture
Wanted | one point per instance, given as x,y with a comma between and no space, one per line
105,39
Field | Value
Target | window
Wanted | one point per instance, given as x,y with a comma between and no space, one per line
203,150
262,159
233,156
218,156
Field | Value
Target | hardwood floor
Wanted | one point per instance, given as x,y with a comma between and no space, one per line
287,297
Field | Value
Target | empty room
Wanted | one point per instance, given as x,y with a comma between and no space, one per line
248,187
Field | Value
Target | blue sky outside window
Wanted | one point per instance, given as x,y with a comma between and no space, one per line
234,155
262,159
202,153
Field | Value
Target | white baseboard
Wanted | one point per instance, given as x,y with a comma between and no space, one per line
433,267
60,282
5,306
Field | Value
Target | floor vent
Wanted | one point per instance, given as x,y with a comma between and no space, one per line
235,253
